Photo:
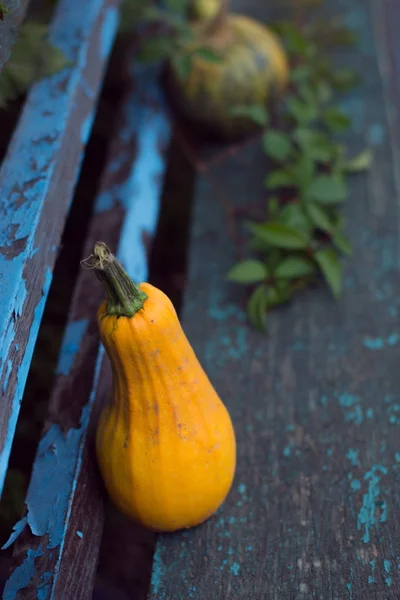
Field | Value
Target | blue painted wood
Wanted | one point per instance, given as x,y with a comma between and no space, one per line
315,506
60,532
37,180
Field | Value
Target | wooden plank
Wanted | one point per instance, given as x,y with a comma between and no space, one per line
57,551
315,506
37,180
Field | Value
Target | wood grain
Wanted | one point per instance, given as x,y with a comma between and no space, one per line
314,512
57,550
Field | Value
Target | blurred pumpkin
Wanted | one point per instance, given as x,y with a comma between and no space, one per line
251,69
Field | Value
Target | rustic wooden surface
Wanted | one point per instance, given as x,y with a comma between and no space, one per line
56,553
314,511
37,180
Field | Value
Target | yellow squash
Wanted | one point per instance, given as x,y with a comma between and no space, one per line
165,442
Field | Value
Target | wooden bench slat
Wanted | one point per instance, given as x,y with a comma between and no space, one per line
315,506
37,180
58,549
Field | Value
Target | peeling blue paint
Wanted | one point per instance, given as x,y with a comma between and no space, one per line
376,134
352,455
22,575
22,375
70,346
367,516
108,28
242,489
79,534
379,343
355,485
7,375
235,568
157,573
86,128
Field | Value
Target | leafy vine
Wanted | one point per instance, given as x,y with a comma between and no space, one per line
303,235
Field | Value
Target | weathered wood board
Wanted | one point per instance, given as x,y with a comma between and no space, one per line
314,512
37,180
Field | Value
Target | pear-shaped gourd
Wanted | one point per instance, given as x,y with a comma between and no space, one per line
252,70
165,442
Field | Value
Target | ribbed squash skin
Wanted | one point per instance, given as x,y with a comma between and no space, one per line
254,67
165,442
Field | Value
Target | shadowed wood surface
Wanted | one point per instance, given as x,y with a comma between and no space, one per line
56,553
314,511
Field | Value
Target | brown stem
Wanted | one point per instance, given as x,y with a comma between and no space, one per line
124,297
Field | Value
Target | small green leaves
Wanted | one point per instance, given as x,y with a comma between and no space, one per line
344,79
302,238
342,243
335,119
277,145
301,111
248,271
331,268
279,235
361,162
278,179
319,217
294,267
327,189
255,112
257,307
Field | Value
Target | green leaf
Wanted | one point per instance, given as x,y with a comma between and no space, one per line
301,74
255,112
315,143
302,171
323,91
319,217
301,111
279,235
182,64
32,58
257,306
326,189
344,79
248,271
294,267
208,54
342,243
331,268
361,162
294,216
279,294
278,179
273,207
277,145
336,119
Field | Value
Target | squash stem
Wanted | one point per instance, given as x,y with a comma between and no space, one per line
124,297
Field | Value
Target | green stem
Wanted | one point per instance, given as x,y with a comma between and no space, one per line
124,297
